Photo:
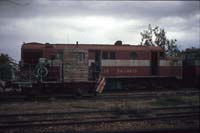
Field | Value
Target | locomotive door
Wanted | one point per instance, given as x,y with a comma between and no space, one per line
154,63
97,63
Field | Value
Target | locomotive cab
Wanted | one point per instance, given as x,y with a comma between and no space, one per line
59,71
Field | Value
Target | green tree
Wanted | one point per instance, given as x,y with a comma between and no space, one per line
4,58
147,37
157,37
5,67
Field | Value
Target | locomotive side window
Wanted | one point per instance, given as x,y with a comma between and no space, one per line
133,55
108,55
60,55
112,55
104,55
81,57
162,54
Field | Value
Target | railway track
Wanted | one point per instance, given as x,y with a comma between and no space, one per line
147,95
170,108
9,121
107,95
53,122
107,121
164,130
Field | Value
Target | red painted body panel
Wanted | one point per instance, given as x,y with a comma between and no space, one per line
54,73
191,76
126,71
49,52
121,53
141,55
170,71
125,55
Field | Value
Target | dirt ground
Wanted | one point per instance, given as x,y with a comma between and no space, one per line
71,105
122,104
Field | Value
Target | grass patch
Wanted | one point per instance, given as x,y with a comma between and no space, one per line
177,100
192,100
169,101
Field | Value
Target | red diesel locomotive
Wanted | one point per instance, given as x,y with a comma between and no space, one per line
82,67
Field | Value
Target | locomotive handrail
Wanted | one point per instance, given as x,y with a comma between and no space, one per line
100,85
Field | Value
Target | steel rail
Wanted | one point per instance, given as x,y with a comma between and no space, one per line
40,124
103,96
110,117
150,130
96,111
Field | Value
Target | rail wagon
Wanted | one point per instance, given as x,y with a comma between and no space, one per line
91,67
191,68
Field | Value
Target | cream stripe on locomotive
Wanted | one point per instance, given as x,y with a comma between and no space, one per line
170,63
137,63
123,62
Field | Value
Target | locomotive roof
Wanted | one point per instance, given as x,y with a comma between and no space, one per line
127,47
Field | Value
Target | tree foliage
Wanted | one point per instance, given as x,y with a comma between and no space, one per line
5,67
157,37
4,59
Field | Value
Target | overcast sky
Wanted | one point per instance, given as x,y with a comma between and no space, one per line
62,21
